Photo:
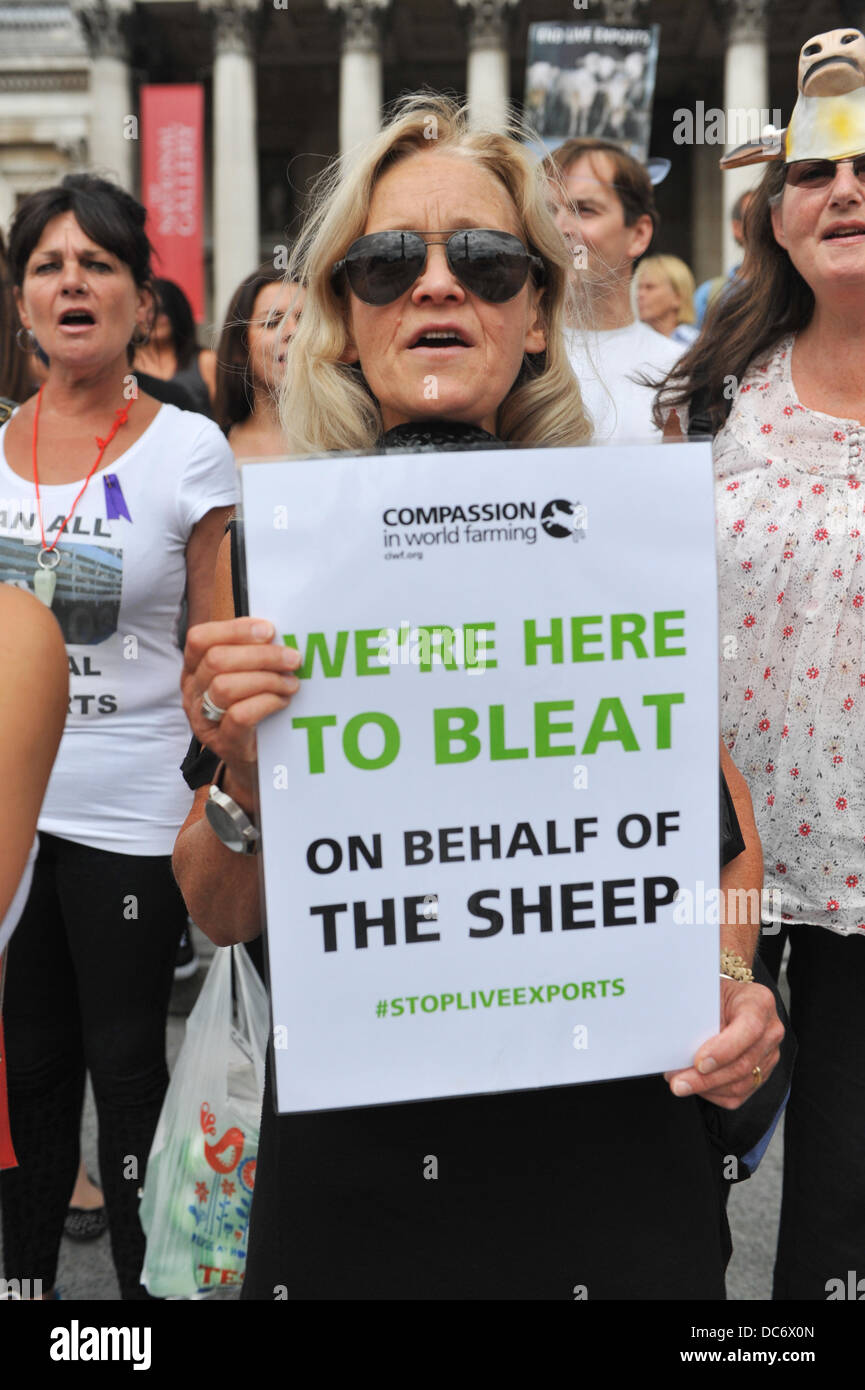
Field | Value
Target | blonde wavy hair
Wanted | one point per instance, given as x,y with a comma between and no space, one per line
679,276
324,403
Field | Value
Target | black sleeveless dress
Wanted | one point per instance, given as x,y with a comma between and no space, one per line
606,1191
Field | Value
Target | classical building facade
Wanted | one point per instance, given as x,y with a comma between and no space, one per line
290,83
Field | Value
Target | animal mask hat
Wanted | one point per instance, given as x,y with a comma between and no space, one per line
828,120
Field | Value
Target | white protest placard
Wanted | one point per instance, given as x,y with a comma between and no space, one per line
500,768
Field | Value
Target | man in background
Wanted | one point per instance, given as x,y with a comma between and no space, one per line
603,203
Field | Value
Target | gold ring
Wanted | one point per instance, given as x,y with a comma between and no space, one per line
758,1077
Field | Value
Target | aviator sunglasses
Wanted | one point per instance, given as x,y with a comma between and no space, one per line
383,265
820,173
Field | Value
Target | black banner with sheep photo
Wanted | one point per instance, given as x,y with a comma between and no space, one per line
592,79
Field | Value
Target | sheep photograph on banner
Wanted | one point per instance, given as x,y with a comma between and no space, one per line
592,79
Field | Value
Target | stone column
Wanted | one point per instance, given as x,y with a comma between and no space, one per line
488,84
112,132
7,201
235,149
361,80
707,210
746,88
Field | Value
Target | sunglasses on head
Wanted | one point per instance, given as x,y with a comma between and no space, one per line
383,265
820,173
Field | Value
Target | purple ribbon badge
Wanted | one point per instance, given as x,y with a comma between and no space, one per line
115,502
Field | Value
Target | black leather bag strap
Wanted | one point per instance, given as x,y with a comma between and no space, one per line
699,419
238,569
199,766
732,840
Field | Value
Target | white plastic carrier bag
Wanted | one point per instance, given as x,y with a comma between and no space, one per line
201,1170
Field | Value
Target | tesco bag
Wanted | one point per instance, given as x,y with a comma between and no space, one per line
201,1170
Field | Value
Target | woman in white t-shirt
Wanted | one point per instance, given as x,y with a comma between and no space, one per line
112,507
790,494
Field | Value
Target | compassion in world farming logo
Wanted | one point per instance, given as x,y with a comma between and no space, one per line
561,518
410,530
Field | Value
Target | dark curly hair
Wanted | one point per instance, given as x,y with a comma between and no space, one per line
103,210
14,377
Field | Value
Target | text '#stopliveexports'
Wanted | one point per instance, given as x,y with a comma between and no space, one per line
406,1005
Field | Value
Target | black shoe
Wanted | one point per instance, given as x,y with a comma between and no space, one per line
187,960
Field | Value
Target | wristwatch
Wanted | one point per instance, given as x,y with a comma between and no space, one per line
228,821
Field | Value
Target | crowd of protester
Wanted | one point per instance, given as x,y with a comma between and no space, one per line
591,340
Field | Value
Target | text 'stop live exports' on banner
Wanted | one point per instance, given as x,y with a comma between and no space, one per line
499,770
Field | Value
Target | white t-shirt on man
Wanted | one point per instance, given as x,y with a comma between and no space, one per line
605,363
116,783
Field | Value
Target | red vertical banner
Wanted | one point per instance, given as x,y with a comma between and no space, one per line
172,184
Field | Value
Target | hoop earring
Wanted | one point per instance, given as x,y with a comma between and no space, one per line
29,343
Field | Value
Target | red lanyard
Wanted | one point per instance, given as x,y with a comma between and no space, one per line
120,418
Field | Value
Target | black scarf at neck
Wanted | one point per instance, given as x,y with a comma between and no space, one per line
434,436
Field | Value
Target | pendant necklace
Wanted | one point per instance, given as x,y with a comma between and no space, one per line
49,557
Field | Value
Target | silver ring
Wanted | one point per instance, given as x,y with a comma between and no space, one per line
210,710
42,559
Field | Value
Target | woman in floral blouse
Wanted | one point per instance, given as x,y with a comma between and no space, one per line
777,378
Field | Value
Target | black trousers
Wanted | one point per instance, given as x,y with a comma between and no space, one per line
89,978
822,1232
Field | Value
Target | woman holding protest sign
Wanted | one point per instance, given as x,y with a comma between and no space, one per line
342,1208
790,476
